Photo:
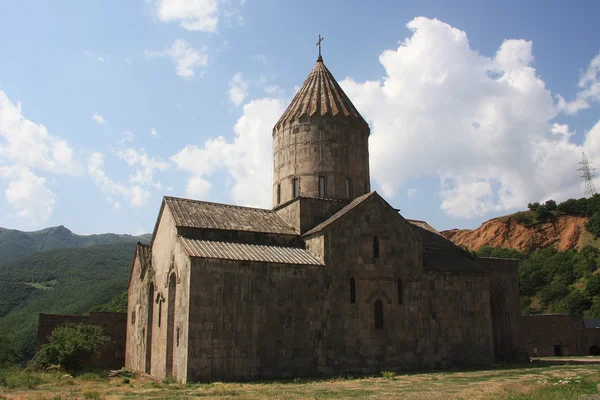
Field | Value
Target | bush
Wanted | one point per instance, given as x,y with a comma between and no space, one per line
72,346
593,224
533,206
542,213
8,355
523,218
575,303
388,374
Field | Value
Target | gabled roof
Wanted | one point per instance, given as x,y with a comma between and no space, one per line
322,95
353,204
247,252
202,214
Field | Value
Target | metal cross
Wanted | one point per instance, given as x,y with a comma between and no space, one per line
319,44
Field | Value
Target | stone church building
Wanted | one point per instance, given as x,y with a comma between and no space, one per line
331,280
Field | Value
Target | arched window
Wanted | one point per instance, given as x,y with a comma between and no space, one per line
376,246
378,314
352,291
400,291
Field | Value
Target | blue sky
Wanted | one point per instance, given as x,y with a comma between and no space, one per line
476,108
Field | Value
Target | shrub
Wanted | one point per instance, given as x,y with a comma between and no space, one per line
533,206
72,346
388,374
8,355
542,213
23,379
593,224
523,218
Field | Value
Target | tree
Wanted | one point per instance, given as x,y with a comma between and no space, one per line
533,206
593,224
542,213
8,355
550,205
72,346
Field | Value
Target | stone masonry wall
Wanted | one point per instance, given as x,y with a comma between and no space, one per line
540,333
137,309
304,213
254,320
113,324
336,148
443,319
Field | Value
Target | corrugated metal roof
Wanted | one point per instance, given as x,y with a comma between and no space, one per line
320,94
247,252
339,214
202,214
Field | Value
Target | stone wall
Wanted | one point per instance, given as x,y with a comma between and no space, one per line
113,324
336,148
442,320
304,213
137,316
255,320
547,335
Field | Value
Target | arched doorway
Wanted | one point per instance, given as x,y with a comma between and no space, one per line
171,324
149,322
595,350
500,325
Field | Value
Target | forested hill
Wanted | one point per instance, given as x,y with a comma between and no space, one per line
59,281
15,244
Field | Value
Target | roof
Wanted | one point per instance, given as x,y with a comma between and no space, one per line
202,214
354,203
322,95
247,252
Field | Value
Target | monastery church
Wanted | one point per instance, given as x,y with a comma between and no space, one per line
331,280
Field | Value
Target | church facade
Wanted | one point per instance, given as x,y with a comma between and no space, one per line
331,280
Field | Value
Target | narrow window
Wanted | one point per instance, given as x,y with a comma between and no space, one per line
296,187
348,188
378,314
366,188
352,291
177,338
376,246
159,312
133,317
400,294
278,193
321,186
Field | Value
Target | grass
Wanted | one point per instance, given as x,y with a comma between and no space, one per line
537,380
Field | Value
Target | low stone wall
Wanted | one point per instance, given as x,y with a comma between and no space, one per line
113,323
548,335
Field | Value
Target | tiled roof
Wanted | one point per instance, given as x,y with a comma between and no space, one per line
247,252
201,214
339,214
322,95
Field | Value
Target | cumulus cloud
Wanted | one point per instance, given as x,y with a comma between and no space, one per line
192,15
186,58
135,194
146,166
247,159
28,193
98,118
238,89
589,84
482,125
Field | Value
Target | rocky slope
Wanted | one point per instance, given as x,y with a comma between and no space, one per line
563,232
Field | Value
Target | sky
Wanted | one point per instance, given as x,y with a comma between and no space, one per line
475,108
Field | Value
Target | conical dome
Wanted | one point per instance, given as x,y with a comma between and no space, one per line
322,95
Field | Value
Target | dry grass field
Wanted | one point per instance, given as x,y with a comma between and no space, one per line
548,379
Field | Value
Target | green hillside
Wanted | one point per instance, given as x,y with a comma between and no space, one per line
61,281
15,244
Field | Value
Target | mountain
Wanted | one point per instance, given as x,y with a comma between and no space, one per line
15,244
520,232
60,281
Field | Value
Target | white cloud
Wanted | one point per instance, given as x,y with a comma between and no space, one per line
238,89
186,58
28,193
589,83
483,125
135,195
127,138
274,90
153,132
24,143
147,164
192,15
98,118
412,192
96,57
247,159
